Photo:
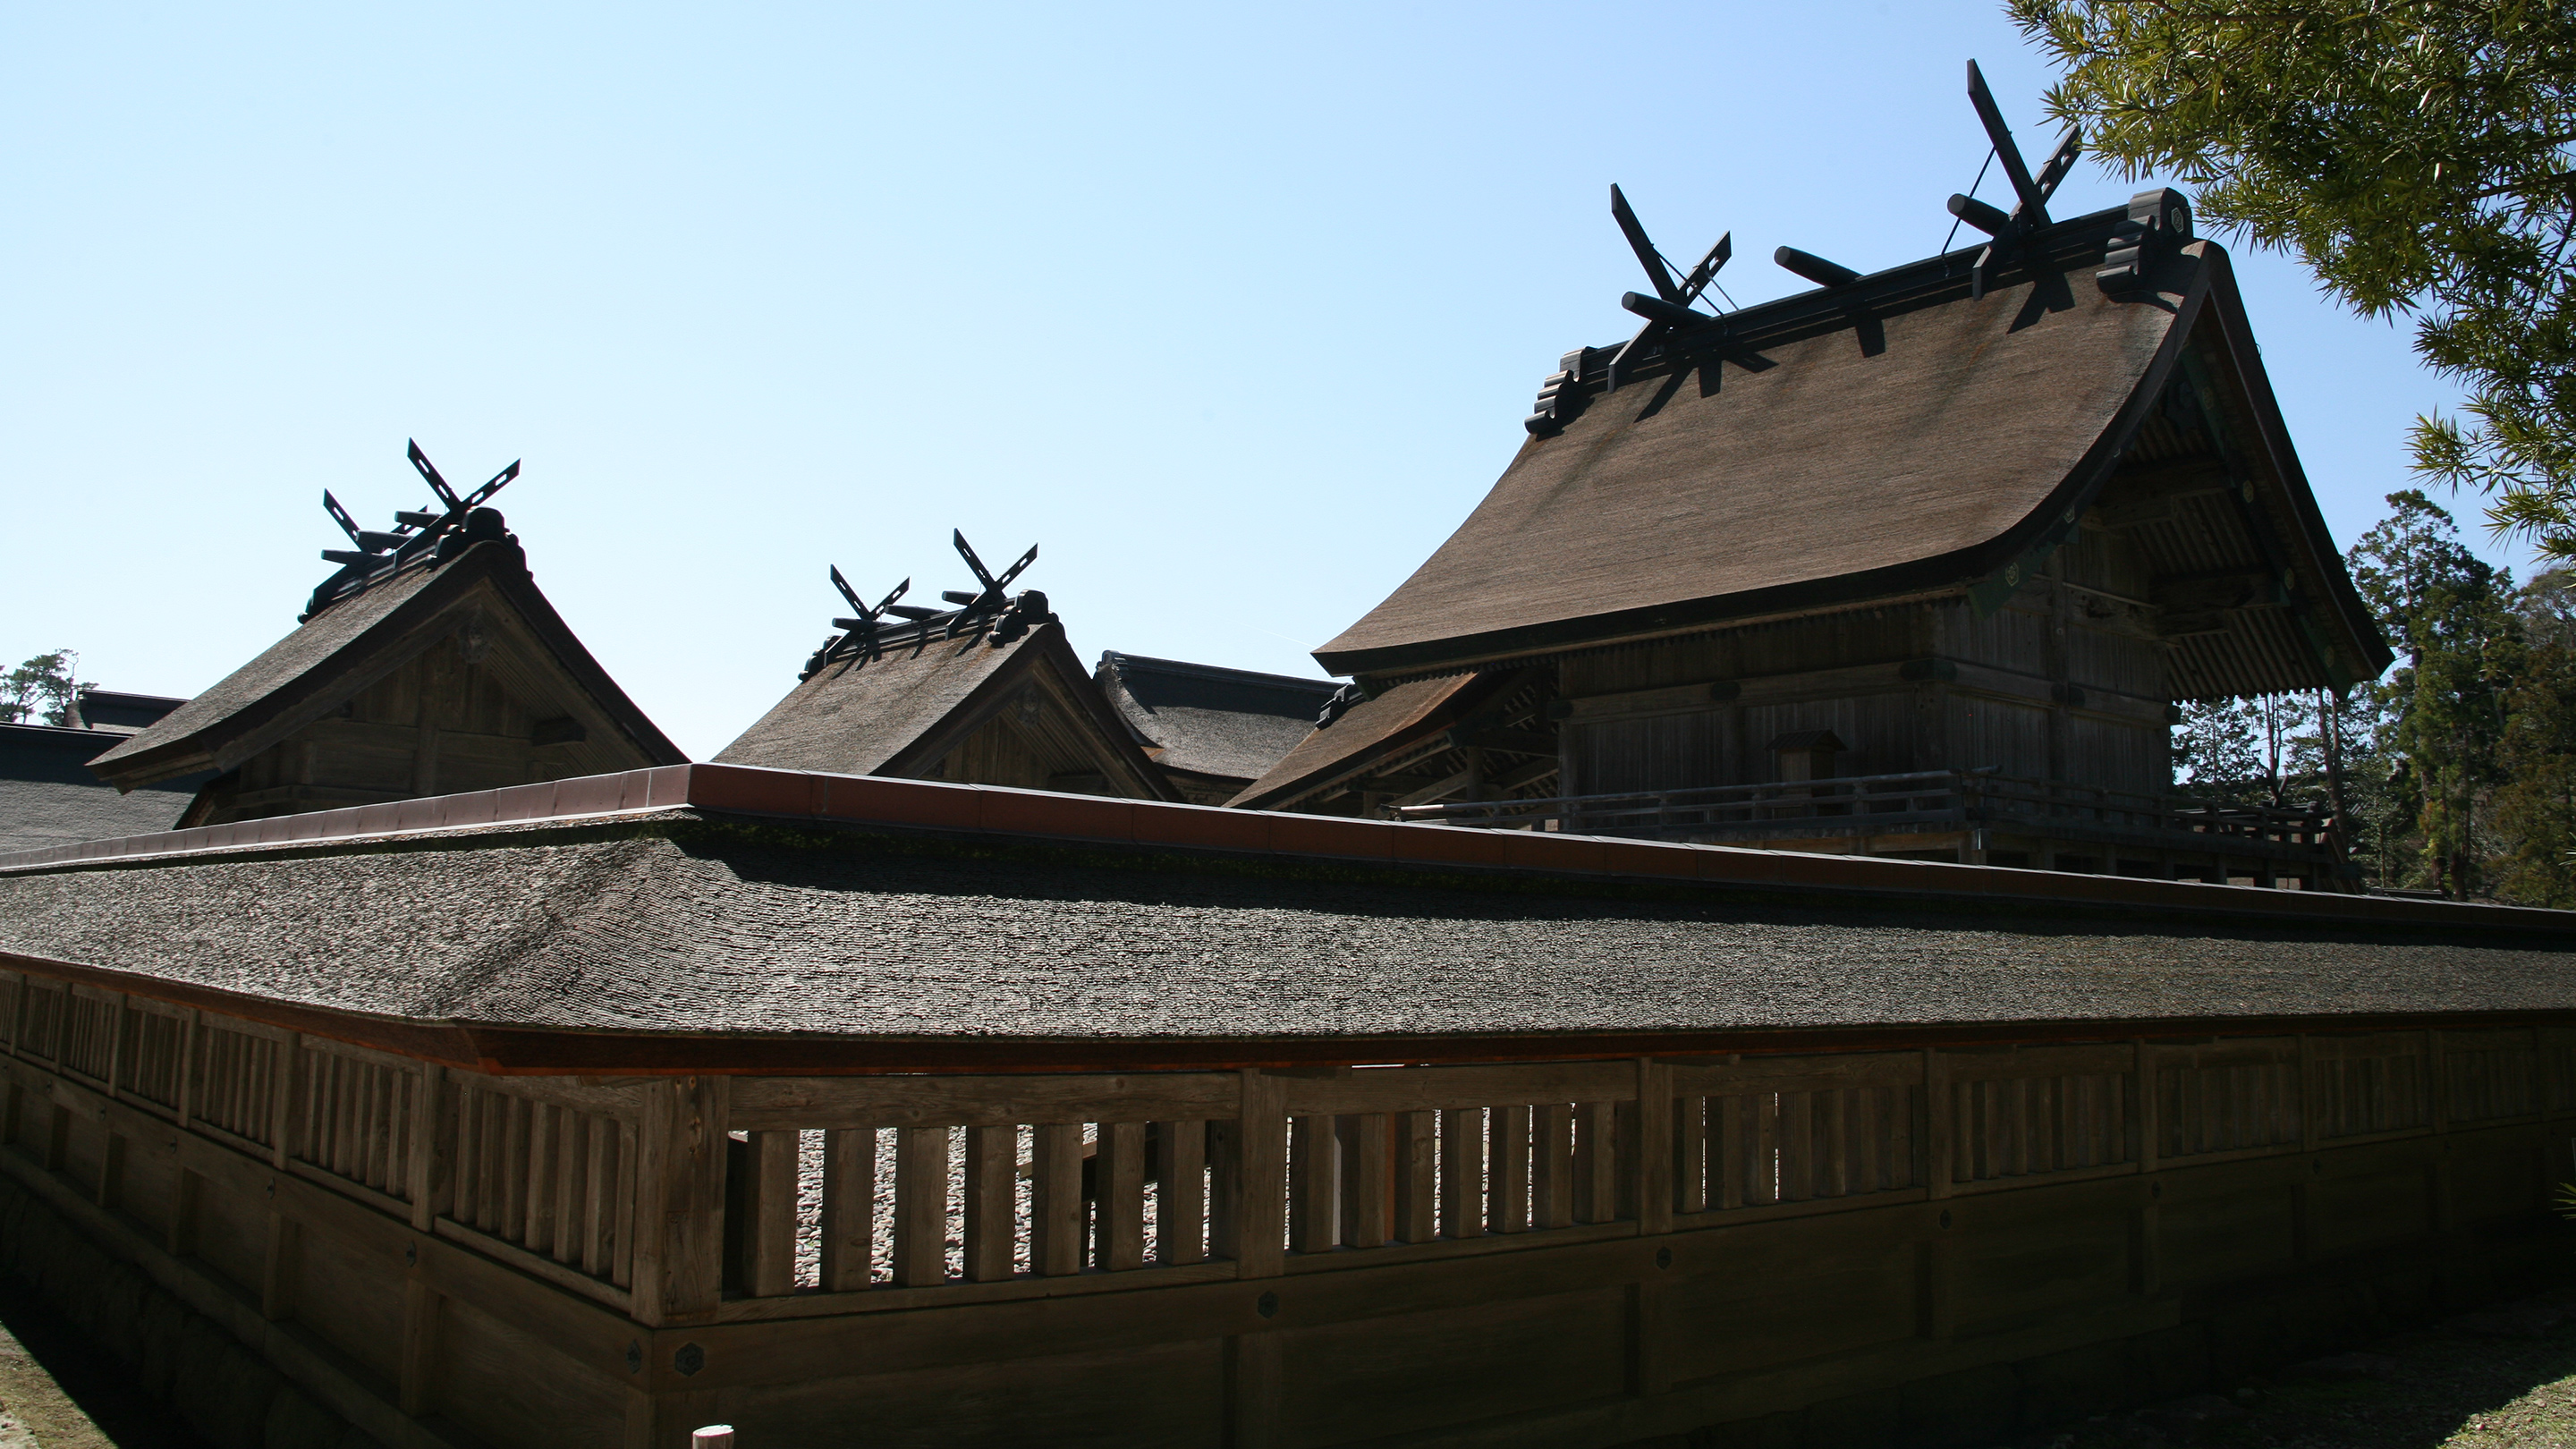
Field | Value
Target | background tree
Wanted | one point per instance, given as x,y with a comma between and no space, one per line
2535,809
39,691
2459,644
2414,153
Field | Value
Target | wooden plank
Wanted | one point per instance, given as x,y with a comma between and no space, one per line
1652,1191
1368,1189
849,1208
599,1200
921,1206
545,1169
1261,1207
515,1167
572,1182
1798,1074
1507,1170
1690,1155
1007,1101
1314,1184
1180,1216
769,1238
1763,1166
1055,1199
1414,1089
1416,1176
1462,1162
680,1200
1727,1144
419,1362
991,1208
1119,1171
1596,1163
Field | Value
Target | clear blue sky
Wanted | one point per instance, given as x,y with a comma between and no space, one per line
1235,309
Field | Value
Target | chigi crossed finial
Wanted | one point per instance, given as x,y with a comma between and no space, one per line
865,635
416,532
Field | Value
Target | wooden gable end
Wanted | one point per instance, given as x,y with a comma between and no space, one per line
471,699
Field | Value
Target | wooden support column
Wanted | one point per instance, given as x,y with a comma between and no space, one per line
1261,1206
1055,1199
1654,1148
1180,1223
992,1181
679,1249
770,1236
920,1205
849,1208
1416,1167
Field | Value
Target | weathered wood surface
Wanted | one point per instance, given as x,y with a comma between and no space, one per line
1700,1237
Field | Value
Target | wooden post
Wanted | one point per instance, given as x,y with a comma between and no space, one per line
1462,1166
1055,1199
770,1236
991,1211
1416,1165
1119,1171
1654,1149
679,1252
1552,1166
920,1206
1938,1129
1596,1163
286,1108
1180,1220
849,1208
1313,1190
1507,1171
1262,1204
1367,1196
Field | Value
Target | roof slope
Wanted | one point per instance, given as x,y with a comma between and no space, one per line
901,713
1886,436
1364,733
49,797
1231,723
669,924
355,641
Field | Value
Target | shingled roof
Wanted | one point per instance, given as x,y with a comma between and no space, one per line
908,712
49,797
1884,438
353,642
898,923
1214,730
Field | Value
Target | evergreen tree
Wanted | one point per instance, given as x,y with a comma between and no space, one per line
2449,614
39,691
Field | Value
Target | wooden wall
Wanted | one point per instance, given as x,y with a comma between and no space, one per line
1575,1253
2065,682
477,710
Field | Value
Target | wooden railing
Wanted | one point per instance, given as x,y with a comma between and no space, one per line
1921,801
710,1200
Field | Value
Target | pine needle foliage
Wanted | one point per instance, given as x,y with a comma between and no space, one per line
2415,154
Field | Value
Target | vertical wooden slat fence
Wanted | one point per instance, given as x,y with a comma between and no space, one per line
817,1196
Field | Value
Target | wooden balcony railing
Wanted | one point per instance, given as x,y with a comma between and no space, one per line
1924,801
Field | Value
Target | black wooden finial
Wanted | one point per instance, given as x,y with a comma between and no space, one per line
2030,193
989,606
416,533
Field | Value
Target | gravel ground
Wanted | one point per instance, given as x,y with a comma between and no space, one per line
2500,1379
